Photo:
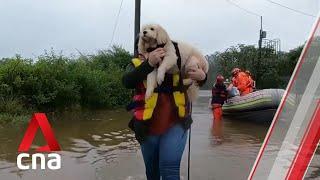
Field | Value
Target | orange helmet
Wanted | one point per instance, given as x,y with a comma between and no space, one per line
235,71
220,79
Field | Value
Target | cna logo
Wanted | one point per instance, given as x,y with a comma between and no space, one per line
39,120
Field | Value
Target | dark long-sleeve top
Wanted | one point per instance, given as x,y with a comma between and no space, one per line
219,94
133,75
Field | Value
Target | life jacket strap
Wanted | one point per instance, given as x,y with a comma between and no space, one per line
144,107
180,85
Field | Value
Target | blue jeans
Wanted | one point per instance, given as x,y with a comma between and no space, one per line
162,153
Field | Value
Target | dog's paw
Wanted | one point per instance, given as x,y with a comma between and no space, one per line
148,94
160,77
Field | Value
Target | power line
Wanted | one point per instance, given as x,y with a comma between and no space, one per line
244,9
116,23
295,10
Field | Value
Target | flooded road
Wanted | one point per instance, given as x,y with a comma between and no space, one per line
98,145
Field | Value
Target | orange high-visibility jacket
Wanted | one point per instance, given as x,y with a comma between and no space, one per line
243,82
145,107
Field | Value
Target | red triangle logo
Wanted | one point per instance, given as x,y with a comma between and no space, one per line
39,120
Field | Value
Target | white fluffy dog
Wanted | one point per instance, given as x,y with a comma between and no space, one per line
153,35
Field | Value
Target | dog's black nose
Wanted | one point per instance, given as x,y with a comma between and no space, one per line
144,32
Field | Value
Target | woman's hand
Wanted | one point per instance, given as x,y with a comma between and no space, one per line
196,74
156,56
230,87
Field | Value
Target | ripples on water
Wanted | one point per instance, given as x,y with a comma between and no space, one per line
92,139
98,145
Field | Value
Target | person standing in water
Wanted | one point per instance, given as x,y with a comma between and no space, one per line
160,123
219,96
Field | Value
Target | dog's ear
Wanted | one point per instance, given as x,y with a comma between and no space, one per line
162,35
141,46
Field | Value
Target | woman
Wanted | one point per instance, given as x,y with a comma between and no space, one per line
159,124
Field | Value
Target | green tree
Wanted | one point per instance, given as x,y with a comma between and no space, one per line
271,71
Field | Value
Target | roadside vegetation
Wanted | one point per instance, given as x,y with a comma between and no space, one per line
53,82
272,71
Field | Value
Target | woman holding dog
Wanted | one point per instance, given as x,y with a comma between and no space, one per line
159,124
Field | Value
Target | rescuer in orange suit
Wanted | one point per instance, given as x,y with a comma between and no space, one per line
219,95
252,82
242,81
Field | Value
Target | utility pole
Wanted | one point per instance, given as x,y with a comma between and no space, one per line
262,34
137,15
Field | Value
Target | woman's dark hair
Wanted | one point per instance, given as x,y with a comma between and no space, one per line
136,42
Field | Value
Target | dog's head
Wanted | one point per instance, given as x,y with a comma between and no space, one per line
152,35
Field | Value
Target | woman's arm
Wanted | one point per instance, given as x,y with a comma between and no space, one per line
202,82
133,75
230,87
198,75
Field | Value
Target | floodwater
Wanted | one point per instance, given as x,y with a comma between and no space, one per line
98,145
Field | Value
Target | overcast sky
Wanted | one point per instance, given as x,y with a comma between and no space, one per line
28,27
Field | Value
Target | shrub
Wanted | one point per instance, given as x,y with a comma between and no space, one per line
55,82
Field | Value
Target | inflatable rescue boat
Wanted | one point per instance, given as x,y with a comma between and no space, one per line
259,106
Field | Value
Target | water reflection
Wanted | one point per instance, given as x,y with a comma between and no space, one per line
217,131
86,137
98,145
